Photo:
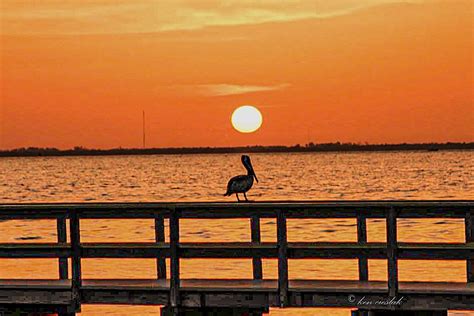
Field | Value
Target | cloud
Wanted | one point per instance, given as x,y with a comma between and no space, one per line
232,89
141,16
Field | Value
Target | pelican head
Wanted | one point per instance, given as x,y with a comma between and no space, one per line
248,165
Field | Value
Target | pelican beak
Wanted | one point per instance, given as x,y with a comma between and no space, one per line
249,167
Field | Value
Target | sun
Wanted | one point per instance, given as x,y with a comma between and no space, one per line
246,119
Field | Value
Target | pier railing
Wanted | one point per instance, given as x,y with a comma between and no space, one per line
175,292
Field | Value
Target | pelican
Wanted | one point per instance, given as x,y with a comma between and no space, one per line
242,183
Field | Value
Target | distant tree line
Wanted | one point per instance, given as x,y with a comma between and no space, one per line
310,147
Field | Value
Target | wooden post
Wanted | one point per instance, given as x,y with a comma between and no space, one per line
282,259
159,238
469,225
75,231
392,251
255,232
362,240
63,261
174,262
62,238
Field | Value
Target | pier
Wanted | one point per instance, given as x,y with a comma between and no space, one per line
254,296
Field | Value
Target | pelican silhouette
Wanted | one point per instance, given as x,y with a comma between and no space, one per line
242,183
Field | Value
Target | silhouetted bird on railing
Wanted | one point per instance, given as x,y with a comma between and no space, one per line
242,183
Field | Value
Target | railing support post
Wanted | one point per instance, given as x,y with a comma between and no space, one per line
392,251
255,232
362,240
174,260
159,238
75,229
469,225
62,238
282,258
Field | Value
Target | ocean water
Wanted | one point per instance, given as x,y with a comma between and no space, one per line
282,176
376,175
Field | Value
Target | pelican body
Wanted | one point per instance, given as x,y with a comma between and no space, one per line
242,183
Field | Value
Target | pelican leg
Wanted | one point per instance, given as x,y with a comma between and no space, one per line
246,197
237,195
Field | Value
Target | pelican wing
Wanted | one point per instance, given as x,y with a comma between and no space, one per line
236,184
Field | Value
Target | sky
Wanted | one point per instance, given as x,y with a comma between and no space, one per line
80,72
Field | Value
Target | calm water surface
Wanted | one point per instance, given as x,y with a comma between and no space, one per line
399,175
308,176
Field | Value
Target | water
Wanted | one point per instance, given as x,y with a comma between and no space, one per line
308,176
292,176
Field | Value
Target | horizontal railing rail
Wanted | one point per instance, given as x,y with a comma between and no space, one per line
392,250
243,250
297,209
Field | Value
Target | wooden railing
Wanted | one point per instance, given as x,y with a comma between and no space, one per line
362,250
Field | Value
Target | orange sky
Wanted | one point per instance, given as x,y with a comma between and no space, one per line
79,73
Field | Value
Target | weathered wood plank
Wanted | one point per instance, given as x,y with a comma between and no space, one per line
34,250
75,231
127,213
362,240
174,260
230,250
160,238
52,284
296,209
34,309
469,226
391,225
35,296
434,252
288,204
9,214
282,258
126,250
255,235
62,238
125,297
331,250
236,300
295,250
251,293
245,285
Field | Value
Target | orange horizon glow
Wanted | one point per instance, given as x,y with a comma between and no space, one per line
80,73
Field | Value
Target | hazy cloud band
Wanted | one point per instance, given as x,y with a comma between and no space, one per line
140,16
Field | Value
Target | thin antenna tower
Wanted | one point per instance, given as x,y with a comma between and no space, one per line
143,128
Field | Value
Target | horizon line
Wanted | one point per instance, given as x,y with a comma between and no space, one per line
309,147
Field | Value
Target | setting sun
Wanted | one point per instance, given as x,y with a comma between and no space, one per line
246,119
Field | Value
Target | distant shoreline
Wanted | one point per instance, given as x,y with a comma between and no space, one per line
311,147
